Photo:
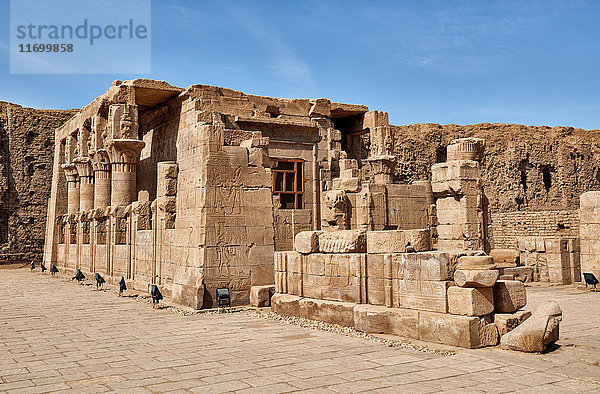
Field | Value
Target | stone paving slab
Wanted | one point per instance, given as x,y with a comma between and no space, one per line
60,336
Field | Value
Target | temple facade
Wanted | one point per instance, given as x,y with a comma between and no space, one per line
198,188
194,189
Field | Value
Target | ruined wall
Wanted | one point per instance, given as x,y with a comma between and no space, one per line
26,149
525,168
508,227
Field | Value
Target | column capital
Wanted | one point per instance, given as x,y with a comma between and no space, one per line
100,160
84,166
124,152
70,172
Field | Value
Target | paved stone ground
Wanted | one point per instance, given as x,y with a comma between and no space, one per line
59,336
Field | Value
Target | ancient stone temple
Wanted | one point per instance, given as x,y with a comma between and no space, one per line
195,189
204,187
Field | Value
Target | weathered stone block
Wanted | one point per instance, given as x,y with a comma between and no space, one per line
404,322
307,241
475,263
423,295
506,322
488,333
470,301
395,241
503,256
349,173
258,157
475,278
286,304
462,331
261,295
509,296
351,185
537,332
426,266
343,241
333,312
522,274
371,318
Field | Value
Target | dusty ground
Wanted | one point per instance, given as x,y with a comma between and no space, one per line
59,336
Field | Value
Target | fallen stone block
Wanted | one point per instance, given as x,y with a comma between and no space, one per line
475,278
475,263
470,301
261,295
307,241
462,331
537,332
506,277
488,332
509,296
507,322
343,241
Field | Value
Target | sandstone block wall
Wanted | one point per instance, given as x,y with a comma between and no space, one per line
508,227
589,214
553,259
26,148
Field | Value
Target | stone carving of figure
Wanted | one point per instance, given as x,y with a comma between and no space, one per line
335,211
126,125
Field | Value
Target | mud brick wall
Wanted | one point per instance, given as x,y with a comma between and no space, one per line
26,149
507,227
525,168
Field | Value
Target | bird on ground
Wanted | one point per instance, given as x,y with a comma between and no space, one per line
410,248
79,276
53,269
99,281
122,286
156,295
33,265
43,267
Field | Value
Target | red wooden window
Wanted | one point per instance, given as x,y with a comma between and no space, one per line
288,182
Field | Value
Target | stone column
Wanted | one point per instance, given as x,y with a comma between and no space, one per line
101,166
72,188
124,155
460,200
124,150
86,180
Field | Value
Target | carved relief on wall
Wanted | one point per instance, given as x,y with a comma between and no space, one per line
122,122
334,215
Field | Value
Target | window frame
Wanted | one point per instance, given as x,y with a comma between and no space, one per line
296,193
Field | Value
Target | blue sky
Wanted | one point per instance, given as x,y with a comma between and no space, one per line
464,62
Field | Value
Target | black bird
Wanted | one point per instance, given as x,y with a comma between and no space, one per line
32,265
156,296
410,248
53,269
43,267
122,286
99,281
79,276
